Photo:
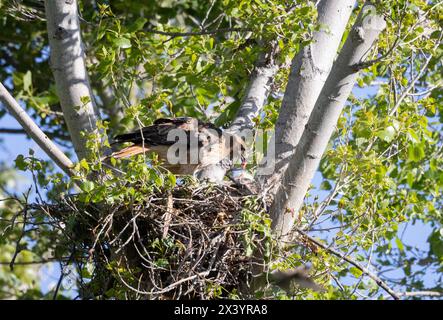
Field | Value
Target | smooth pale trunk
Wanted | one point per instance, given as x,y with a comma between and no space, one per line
304,163
69,69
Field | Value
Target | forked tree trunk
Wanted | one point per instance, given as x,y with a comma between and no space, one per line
321,124
309,71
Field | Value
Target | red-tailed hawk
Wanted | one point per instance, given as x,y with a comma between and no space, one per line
185,145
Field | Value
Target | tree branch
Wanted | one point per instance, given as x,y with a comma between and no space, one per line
253,102
35,132
366,64
416,78
321,124
196,33
258,90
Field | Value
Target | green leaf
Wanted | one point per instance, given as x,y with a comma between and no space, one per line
172,180
131,191
137,25
436,244
27,81
21,163
87,186
410,178
85,99
84,164
416,152
162,263
122,43
387,134
158,180
399,244
304,11
433,165
355,272
325,185
412,136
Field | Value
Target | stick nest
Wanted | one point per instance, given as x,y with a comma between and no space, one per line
189,242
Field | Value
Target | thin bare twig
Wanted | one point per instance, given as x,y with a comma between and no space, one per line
196,33
351,261
416,78
18,247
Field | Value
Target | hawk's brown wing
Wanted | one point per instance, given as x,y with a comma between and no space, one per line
157,134
185,123
154,138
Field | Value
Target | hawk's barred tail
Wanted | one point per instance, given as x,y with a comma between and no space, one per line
129,152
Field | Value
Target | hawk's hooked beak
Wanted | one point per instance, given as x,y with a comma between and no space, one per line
244,163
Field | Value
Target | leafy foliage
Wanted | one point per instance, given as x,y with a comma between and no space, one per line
382,174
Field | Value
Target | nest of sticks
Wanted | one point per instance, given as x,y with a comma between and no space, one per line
189,242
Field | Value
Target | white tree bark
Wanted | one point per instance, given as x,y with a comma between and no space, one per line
321,124
69,68
257,93
34,131
309,71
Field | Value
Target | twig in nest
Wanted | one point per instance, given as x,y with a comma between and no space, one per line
168,215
